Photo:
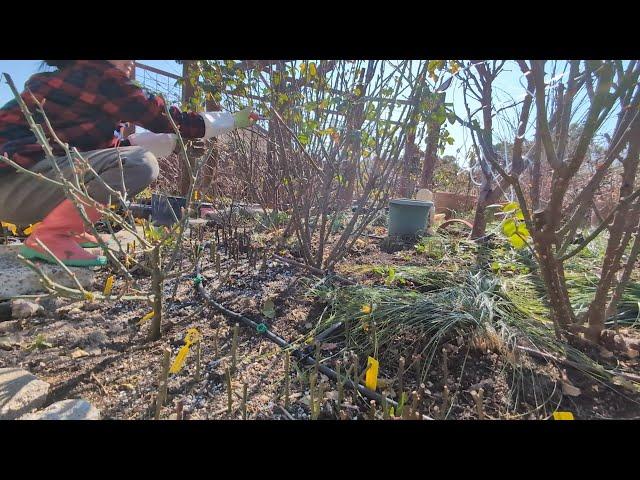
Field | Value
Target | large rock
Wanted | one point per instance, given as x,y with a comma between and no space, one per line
18,279
21,308
66,410
20,393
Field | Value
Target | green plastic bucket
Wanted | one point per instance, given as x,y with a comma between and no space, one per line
408,217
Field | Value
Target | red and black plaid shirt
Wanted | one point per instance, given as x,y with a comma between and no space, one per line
84,103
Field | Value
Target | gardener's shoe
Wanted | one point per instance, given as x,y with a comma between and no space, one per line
85,239
57,232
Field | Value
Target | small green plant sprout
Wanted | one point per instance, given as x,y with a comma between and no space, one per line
159,234
40,343
389,274
401,403
513,226
431,247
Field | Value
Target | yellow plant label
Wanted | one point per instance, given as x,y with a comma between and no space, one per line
193,336
147,317
11,227
371,379
178,363
563,416
108,285
29,229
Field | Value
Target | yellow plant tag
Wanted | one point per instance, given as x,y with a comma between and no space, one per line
196,195
178,363
147,317
29,229
193,335
11,227
563,416
371,379
108,286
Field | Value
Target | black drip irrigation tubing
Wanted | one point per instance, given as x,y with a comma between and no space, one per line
305,358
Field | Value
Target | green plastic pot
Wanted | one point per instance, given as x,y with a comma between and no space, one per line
408,217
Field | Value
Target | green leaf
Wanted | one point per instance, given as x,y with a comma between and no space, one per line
401,403
521,230
517,242
511,207
391,274
509,227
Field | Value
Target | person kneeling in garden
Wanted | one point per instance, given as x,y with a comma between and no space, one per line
84,100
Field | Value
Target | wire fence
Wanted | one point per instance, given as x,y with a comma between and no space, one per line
159,82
